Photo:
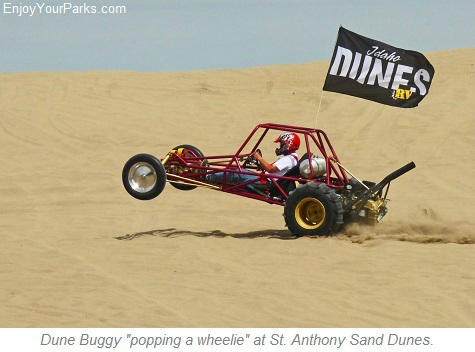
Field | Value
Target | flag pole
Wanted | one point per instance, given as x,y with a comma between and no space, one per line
321,96
318,111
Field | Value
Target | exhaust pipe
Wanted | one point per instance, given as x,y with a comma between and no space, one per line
376,188
397,173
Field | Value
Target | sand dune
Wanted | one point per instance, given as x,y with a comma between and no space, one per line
77,250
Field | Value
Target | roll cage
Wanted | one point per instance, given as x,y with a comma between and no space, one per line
186,167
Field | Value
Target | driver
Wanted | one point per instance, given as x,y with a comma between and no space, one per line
289,143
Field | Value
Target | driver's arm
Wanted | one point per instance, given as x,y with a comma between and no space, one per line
265,165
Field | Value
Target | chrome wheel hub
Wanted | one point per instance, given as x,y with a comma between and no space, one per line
142,177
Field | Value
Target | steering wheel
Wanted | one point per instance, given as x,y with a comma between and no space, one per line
252,161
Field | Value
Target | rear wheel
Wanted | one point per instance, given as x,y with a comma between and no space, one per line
189,150
144,176
313,210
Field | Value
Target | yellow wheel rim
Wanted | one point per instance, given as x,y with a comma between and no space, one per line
310,213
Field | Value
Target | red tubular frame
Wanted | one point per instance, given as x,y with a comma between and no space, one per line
335,176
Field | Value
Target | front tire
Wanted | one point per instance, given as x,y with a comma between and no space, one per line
197,152
313,210
144,177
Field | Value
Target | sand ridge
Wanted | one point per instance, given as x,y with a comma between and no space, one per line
78,251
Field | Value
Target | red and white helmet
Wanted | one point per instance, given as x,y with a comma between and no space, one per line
289,142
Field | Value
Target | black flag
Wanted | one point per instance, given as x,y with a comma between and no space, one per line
370,69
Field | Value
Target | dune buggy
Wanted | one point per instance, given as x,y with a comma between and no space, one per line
319,194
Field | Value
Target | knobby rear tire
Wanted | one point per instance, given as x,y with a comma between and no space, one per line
313,210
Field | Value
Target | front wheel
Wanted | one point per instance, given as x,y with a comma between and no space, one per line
144,176
313,210
188,151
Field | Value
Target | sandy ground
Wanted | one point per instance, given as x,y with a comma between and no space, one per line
78,251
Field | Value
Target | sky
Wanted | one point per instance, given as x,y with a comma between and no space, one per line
185,35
